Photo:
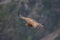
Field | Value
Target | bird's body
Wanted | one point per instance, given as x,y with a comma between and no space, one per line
31,22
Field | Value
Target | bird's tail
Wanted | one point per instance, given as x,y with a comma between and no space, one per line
22,17
19,14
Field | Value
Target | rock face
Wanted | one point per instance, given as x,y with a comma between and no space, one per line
3,2
46,12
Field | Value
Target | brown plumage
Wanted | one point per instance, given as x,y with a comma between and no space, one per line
30,22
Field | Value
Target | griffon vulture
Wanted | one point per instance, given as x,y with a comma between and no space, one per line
31,22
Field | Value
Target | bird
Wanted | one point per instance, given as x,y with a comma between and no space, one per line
31,22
